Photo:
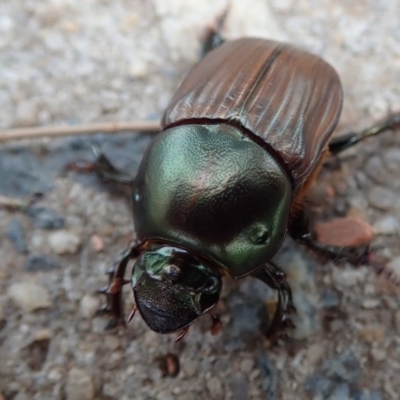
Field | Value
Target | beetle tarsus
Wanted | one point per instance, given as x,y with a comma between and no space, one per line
102,167
343,142
216,324
213,37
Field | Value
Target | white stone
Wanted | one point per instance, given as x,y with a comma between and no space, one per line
29,296
89,305
64,242
388,225
79,385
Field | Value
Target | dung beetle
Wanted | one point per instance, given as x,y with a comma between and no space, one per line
224,182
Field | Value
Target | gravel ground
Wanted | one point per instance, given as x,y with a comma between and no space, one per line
69,62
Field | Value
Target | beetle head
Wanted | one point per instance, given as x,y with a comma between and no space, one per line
172,288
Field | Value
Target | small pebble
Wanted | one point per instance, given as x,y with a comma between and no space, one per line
112,342
343,367
367,395
319,386
214,385
64,242
382,198
97,243
269,377
2,315
330,299
89,305
43,334
36,352
138,69
394,265
79,385
27,114
29,296
371,303
378,355
16,235
348,277
388,225
240,387
397,322
36,263
247,365
347,231
336,325
315,353
376,171
169,365
19,396
391,160
45,218
371,334
189,367
341,391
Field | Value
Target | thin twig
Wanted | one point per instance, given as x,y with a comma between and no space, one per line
84,129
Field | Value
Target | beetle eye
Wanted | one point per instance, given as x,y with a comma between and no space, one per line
210,285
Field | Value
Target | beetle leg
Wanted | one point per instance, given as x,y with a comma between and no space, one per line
213,38
102,167
299,230
343,142
216,324
275,278
113,292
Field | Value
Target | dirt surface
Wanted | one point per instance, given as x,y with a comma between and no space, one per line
68,62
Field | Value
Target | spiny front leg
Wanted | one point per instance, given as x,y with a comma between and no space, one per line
113,292
275,278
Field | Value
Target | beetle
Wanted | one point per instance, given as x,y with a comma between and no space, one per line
224,182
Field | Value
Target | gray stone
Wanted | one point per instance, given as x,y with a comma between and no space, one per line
367,395
240,387
37,262
344,366
269,377
376,171
45,218
329,299
382,198
340,391
391,160
22,172
16,234
319,385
